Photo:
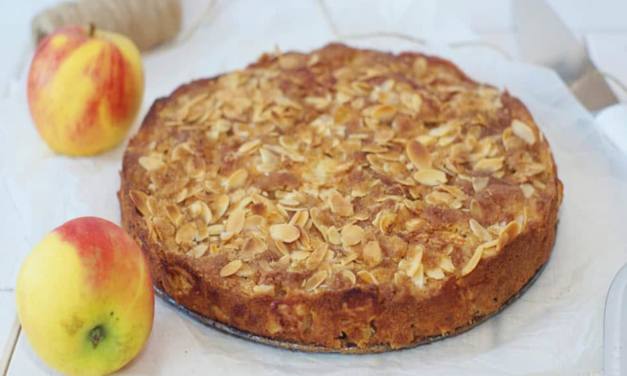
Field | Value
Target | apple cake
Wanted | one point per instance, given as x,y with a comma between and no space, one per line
345,199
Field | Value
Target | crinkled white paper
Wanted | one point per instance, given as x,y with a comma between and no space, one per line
554,328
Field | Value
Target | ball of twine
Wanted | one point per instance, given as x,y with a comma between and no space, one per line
147,23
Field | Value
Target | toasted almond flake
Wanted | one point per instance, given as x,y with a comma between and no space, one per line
508,233
479,230
384,220
186,233
435,273
200,209
231,268
340,205
333,235
430,177
349,276
367,277
382,112
300,218
446,264
489,165
237,179
284,232
412,260
235,222
315,280
299,255
220,205
151,163
490,248
281,247
412,101
419,277
523,131
291,199
352,235
418,155
316,257
181,152
263,289
372,254
473,262
181,195
479,183
249,146
254,246
198,250
141,201
528,190
216,229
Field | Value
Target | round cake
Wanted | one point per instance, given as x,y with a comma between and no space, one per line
344,199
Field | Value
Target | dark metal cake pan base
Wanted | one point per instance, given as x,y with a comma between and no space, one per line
347,350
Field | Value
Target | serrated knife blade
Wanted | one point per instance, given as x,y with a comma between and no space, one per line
544,39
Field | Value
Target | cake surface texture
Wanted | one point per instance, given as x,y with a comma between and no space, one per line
343,198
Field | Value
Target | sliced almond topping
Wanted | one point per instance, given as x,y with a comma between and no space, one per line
384,220
479,183
220,205
151,163
412,101
263,289
281,247
340,205
418,155
140,199
299,255
372,253
231,268
235,223
419,278
300,218
508,233
447,264
198,250
523,131
473,262
333,235
254,246
412,260
237,179
200,209
249,146
430,177
349,276
352,235
315,280
284,232
435,273
367,277
381,112
490,248
216,229
479,230
489,165
316,257
528,190
186,233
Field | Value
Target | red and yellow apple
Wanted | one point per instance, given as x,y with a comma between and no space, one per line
85,299
85,88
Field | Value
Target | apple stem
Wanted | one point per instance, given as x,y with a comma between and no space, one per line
92,29
96,335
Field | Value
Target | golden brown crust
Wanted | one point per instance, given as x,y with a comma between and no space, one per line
397,308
